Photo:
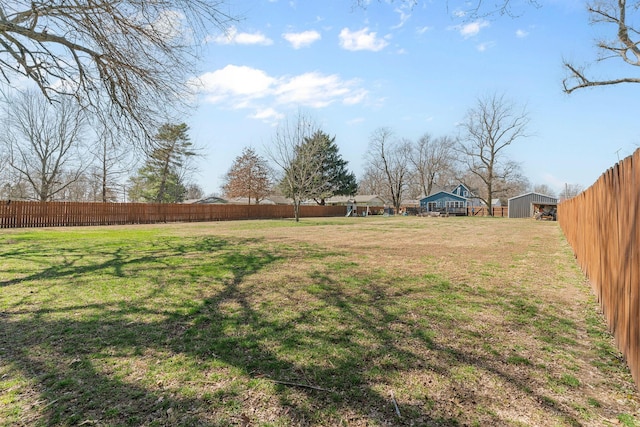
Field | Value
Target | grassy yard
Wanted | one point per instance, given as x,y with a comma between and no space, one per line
345,321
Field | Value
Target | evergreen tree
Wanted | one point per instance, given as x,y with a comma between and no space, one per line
161,180
333,178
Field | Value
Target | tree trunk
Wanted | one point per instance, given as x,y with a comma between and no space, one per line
296,210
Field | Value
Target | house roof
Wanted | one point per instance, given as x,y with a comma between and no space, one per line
464,186
270,200
440,194
551,200
206,200
448,189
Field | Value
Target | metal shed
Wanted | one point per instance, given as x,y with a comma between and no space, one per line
524,205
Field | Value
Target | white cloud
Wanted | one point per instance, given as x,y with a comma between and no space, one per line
235,82
422,30
312,89
404,15
472,29
355,121
241,87
268,115
232,36
356,97
302,39
482,47
361,40
521,33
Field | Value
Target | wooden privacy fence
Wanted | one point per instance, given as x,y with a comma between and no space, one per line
601,224
62,214
501,211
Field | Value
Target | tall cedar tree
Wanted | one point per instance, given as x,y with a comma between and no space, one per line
249,176
334,179
160,179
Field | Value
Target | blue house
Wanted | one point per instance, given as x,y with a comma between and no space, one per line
453,203
444,202
462,190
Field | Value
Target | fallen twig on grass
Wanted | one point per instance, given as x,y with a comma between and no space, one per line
395,404
313,387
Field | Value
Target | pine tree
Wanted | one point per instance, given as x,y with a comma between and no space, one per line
160,180
334,179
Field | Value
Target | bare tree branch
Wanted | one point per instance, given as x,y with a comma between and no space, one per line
127,60
624,46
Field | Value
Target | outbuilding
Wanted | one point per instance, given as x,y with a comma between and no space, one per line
529,204
360,205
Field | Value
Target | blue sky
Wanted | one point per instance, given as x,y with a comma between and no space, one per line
415,71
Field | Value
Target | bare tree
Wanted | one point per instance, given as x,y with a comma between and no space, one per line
388,158
14,187
4,165
544,189
623,46
489,127
194,191
372,182
45,142
297,160
431,160
112,159
126,60
249,176
512,184
571,190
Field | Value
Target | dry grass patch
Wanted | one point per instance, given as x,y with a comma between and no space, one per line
345,321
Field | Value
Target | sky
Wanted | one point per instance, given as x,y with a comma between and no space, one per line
414,70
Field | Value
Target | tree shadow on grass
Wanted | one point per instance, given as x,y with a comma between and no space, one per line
331,357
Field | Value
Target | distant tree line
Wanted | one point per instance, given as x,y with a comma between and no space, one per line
56,152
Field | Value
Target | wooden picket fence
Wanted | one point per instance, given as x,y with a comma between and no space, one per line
19,214
601,224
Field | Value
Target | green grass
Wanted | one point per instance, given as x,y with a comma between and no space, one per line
277,323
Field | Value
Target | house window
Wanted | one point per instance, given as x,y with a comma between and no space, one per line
431,206
455,204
